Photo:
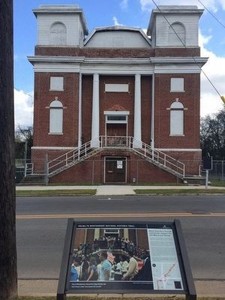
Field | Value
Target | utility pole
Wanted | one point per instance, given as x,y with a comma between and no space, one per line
8,264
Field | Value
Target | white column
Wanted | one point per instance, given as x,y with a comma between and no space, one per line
80,112
95,112
153,113
137,112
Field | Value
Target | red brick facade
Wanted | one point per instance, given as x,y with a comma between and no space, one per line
142,112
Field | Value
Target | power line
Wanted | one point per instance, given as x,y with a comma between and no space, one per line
212,14
207,77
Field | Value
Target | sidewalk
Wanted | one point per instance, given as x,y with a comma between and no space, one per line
115,189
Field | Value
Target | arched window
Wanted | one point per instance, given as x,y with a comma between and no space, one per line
56,117
176,118
177,35
58,34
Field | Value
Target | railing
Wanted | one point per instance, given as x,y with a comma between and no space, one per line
29,169
74,156
69,158
115,141
157,157
161,159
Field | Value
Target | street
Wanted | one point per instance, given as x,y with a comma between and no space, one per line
41,227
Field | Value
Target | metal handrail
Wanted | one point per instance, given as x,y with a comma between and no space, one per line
162,159
68,158
78,154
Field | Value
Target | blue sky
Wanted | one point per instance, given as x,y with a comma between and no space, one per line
112,12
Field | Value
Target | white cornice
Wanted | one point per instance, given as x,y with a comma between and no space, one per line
179,60
55,59
86,65
86,60
120,60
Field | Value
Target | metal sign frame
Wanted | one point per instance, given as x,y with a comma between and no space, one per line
166,251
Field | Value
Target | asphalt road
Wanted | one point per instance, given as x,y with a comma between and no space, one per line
41,227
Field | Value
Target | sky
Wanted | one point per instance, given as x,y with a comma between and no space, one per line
133,13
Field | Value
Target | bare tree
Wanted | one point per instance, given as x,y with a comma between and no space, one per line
213,136
23,142
8,265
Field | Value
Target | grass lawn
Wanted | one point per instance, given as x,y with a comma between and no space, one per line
55,193
168,192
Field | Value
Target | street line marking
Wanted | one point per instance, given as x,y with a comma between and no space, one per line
118,215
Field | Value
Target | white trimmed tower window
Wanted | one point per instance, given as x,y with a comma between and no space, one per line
56,117
177,35
176,118
58,34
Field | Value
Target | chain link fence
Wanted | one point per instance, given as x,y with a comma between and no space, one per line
24,170
217,171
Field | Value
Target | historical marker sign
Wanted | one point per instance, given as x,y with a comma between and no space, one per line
125,257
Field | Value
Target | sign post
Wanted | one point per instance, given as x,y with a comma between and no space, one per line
125,258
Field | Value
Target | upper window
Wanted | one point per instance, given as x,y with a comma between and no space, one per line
116,119
177,35
177,85
176,118
56,117
58,34
56,84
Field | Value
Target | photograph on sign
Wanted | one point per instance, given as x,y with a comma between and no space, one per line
111,257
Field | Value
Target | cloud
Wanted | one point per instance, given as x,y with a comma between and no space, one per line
212,86
116,22
124,4
213,5
23,105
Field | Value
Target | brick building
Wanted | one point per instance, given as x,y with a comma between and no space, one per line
117,105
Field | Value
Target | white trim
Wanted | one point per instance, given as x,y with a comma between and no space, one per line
163,65
116,88
96,60
179,60
178,150
80,112
177,69
137,111
152,137
115,113
95,112
52,148
55,133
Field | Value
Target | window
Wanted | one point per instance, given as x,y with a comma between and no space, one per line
56,83
176,118
58,34
177,85
117,118
56,117
177,35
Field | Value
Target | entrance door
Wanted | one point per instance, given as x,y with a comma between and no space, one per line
115,170
116,129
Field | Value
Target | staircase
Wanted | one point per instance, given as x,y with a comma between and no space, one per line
158,158
161,160
71,158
